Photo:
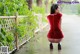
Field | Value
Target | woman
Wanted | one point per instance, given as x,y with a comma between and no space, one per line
55,34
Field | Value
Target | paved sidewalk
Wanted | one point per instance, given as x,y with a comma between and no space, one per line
70,43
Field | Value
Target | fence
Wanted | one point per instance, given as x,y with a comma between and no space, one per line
8,26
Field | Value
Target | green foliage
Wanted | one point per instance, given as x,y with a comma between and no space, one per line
9,36
10,7
6,38
21,30
39,9
26,25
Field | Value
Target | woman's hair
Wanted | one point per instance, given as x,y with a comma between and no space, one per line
53,8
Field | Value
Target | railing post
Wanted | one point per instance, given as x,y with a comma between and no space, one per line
16,33
40,21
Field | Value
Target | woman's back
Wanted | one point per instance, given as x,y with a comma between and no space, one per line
54,21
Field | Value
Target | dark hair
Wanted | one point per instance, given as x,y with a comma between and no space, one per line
53,8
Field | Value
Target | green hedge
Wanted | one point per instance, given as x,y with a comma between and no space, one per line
27,25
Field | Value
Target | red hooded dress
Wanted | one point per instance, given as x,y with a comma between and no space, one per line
55,26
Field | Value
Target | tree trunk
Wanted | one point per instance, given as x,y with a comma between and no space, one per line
39,3
46,4
29,4
52,1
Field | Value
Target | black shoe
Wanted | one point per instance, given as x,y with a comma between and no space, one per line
59,46
51,46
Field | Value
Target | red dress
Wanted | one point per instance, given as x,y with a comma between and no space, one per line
55,26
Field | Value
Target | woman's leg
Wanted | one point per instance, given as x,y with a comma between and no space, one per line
51,46
59,46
